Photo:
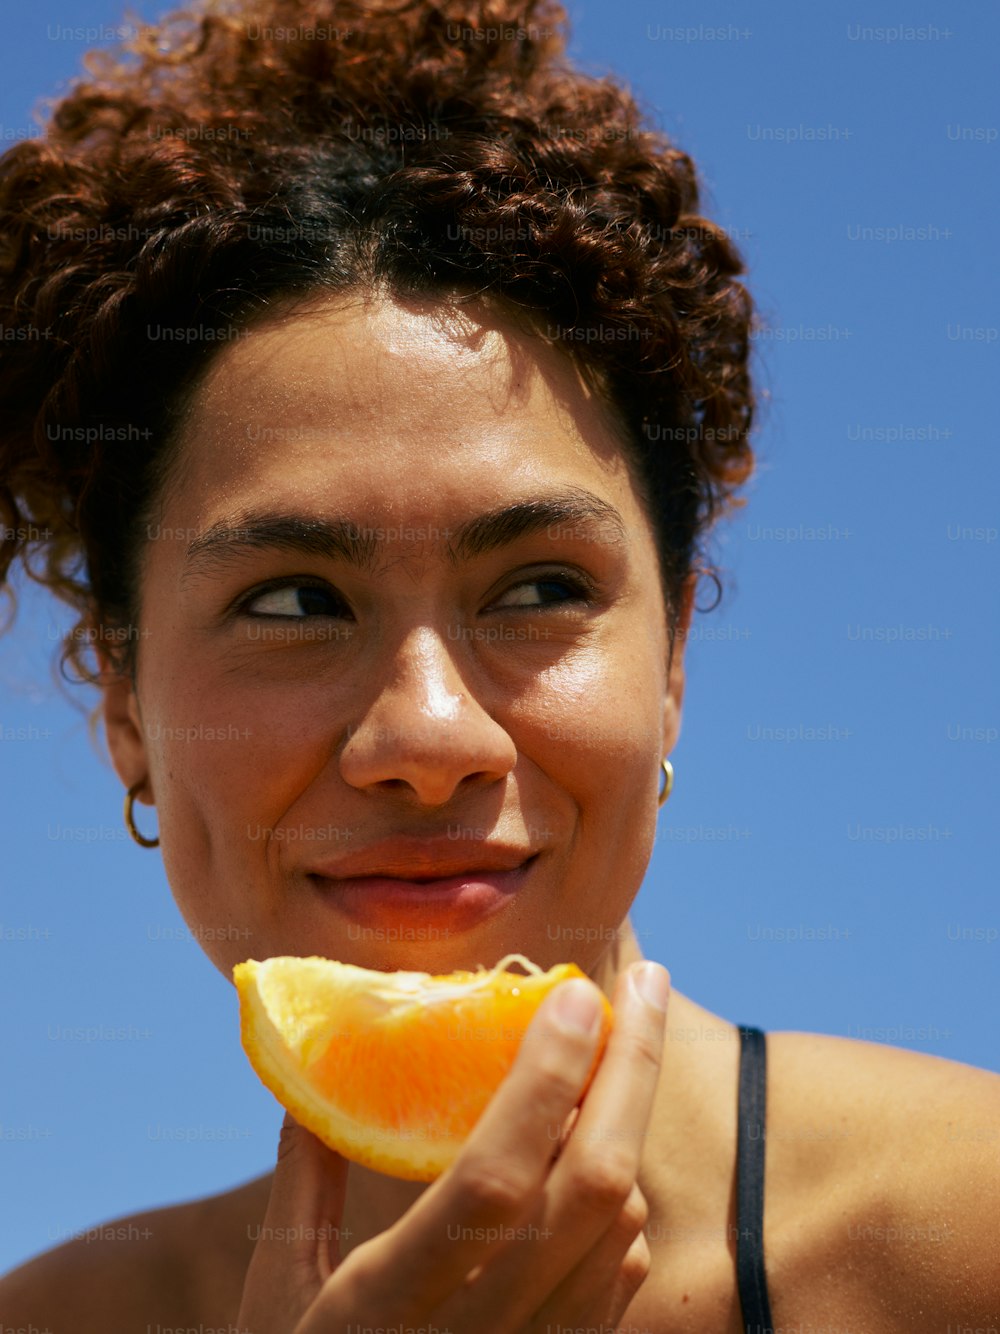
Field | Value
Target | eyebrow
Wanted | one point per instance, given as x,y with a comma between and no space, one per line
340,538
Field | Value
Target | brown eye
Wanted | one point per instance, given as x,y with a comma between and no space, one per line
293,600
577,591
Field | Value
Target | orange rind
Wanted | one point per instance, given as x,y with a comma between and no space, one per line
392,1070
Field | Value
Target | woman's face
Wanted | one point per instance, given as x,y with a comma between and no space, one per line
342,642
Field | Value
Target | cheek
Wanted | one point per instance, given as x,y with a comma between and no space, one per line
594,731
228,739
226,763
599,714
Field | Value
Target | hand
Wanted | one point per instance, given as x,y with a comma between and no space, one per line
522,1231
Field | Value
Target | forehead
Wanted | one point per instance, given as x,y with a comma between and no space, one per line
418,419
306,348
378,404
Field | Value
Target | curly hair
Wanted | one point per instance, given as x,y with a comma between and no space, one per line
242,153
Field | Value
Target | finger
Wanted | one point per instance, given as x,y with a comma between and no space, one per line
599,1290
471,1210
567,1130
614,1117
298,1242
596,1168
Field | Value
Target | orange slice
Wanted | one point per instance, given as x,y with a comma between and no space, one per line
390,1069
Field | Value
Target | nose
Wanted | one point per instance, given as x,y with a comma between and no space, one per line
424,730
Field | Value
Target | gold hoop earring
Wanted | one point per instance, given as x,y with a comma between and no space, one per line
665,791
141,839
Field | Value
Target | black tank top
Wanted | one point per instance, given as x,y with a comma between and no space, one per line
751,1280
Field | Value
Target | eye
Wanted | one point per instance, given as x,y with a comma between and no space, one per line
293,600
578,591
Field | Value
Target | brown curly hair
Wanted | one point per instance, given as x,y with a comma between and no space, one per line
240,154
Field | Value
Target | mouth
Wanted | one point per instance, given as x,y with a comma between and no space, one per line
450,903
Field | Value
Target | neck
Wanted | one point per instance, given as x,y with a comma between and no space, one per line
688,1155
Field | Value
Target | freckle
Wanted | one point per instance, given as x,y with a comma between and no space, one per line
685,1298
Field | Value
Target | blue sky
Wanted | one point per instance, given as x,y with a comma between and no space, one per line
828,859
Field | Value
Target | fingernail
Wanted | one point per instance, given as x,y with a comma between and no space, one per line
577,1007
651,982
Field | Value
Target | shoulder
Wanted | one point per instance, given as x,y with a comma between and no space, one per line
897,1155
169,1267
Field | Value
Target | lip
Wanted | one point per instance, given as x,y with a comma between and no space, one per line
423,859
446,903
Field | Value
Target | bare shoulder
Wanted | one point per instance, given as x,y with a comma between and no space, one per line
174,1266
897,1155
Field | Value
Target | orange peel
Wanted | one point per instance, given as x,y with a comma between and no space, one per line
392,1070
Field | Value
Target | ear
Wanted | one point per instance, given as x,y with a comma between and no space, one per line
123,727
675,671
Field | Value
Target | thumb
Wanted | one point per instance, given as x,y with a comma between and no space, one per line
298,1242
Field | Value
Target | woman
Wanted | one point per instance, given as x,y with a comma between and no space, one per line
362,321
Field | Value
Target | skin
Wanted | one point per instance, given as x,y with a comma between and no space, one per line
399,725
523,737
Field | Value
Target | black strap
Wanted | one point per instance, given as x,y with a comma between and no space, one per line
751,1280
